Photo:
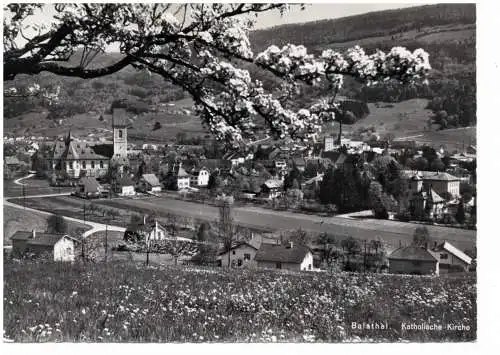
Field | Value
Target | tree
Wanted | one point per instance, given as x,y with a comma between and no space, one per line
198,54
300,237
379,201
460,215
351,248
57,224
421,237
329,253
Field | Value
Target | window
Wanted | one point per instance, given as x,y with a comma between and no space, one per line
92,164
120,133
101,164
443,256
246,256
278,265
67,165
309,267
84,164
240,262
234,252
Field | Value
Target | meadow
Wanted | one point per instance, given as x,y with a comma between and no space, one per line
123,302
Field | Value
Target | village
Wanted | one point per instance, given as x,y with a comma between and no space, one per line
273,176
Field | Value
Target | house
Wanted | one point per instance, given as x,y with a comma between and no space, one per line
425,202
178,179
88,187
441,182
413,260
150,183
239,255
236,158
287,256
299,163
60,247
271,188
450,258
13,163
199,177
280,165
151,230
125,186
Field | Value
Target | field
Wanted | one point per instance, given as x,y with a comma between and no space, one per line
34,186
392,232
116,302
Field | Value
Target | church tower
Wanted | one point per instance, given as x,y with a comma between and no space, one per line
120,124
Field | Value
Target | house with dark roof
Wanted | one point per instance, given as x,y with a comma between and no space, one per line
58,247
125,186
241,254
451,259
284,256
88,187
423,200
413,260
149,183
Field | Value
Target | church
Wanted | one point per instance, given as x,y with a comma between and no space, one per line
75,158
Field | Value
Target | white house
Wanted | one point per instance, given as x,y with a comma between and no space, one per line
450,258
151,230
199,177
126,186
288,256
240,255
60,247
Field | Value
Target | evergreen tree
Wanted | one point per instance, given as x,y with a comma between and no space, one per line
460,215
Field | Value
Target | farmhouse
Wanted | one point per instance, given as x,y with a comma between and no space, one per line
450,258
241,254
413,260
150,183
288,256
59,247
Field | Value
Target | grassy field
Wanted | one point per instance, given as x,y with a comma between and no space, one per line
392,232
120,302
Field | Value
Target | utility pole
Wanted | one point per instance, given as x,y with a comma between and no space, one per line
364,258
106,243
84,215
24,197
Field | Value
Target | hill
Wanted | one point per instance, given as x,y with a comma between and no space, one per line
446,31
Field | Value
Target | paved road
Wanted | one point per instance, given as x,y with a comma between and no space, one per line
393,232
18,181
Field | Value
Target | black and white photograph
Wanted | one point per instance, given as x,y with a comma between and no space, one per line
240,173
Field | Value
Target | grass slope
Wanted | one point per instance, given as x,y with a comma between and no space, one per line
120,302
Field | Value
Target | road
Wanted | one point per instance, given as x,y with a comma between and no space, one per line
393,232
95,227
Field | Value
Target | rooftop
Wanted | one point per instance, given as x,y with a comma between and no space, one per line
281,253
412,252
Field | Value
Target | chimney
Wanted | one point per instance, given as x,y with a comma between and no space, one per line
33,233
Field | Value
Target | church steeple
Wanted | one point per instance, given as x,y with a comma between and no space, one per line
120,124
